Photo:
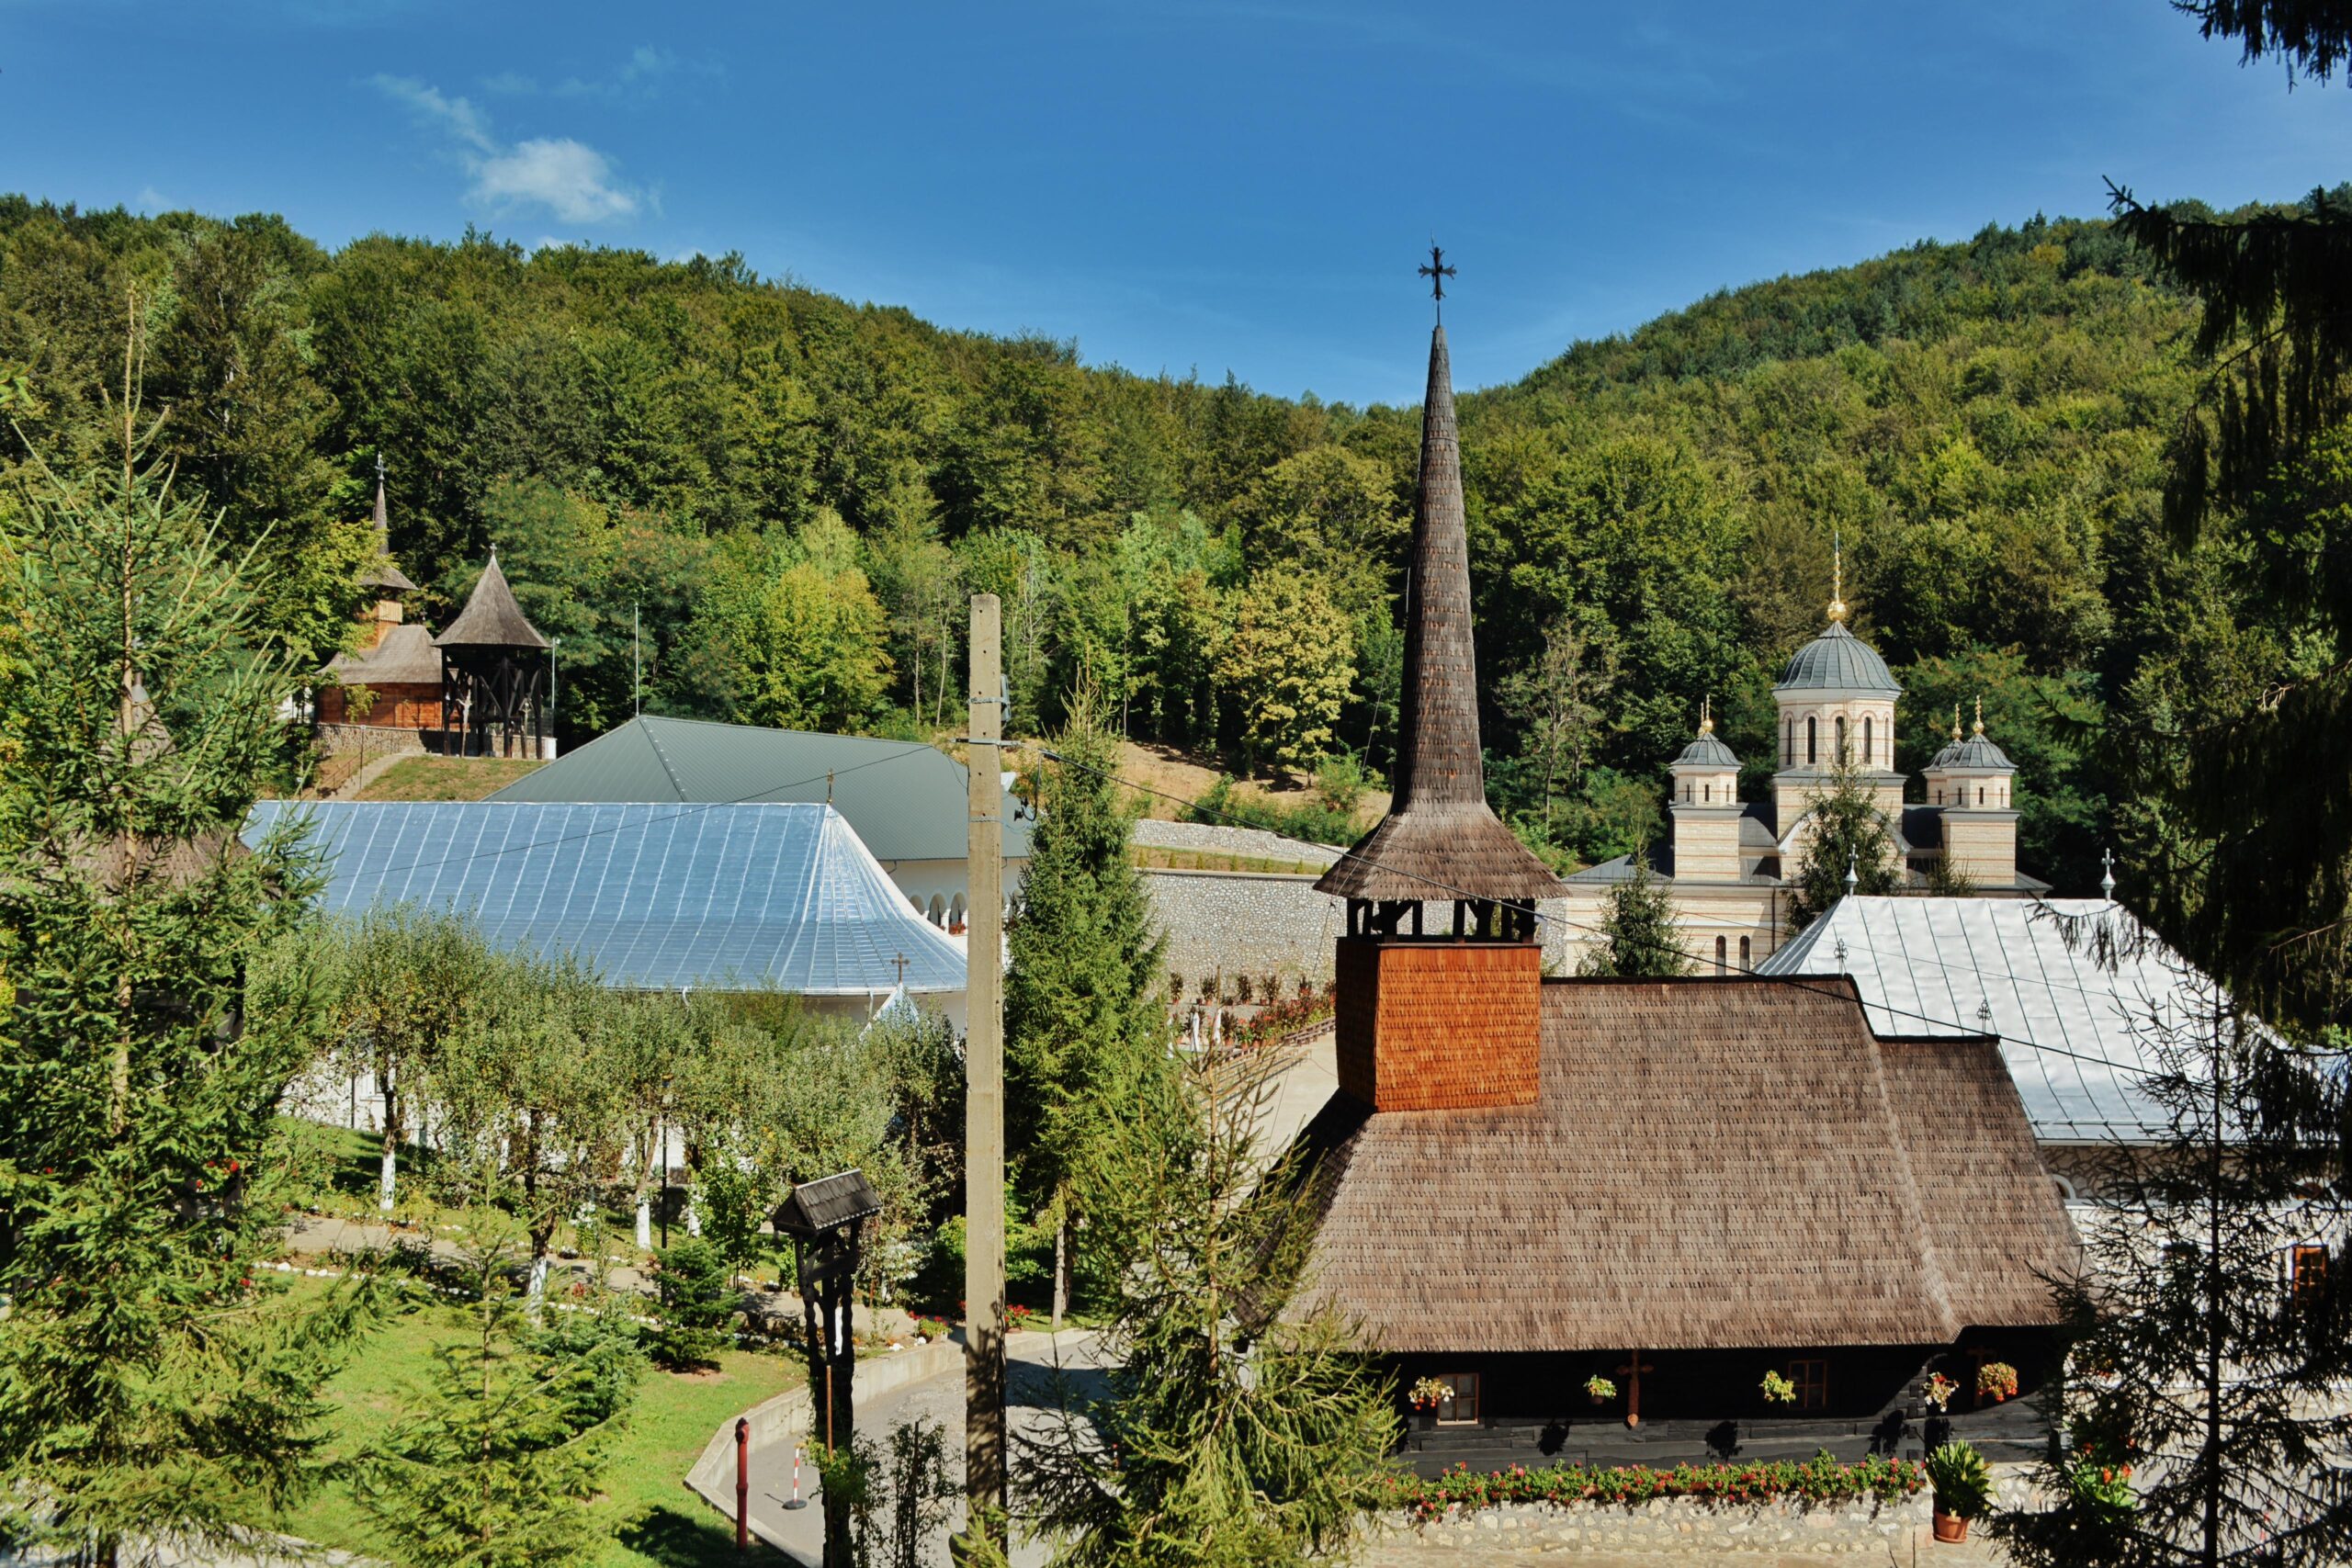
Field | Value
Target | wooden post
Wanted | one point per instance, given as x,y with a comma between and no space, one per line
743,1483
984,1483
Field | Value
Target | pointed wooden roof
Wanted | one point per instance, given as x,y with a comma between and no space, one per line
384,574
1439,840
490,618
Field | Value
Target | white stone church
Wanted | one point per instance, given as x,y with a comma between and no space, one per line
1725,862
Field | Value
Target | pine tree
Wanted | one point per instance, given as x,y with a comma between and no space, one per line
1224,1433
2213,1326
1081,1001
2245,859
1849,835
151,1386
502,1461
1638,935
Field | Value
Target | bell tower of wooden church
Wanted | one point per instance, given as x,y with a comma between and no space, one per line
1440,976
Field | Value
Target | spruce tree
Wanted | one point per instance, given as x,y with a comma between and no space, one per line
1849,835
1637,931
1225,1432
501,1460
2244,853
155,1385
1081,1002
2204,1420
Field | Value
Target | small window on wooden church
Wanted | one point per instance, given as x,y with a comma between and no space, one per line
2309,1272
1812,1381
1459,1405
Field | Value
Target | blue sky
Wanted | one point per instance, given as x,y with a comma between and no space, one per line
1243,185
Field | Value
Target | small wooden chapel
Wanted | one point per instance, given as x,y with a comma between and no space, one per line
1678,1187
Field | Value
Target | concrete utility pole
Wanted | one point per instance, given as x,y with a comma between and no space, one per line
984,1083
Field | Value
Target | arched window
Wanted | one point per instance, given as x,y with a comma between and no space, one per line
938,910
1811,735
1743,953
1719,955
1841,739
1866,740
1789,743
1980,794
1710,795
956,914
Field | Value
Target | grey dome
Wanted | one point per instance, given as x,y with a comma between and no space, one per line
1837,660
1707,752
1976,752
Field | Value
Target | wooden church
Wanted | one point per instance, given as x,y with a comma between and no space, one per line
1677,1186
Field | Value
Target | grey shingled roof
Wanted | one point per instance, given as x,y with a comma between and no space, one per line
1977,751
405,658
1927,965
1709,1165
1837,660
653,897
907,801
490,618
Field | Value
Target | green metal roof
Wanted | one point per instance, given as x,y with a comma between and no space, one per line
904,800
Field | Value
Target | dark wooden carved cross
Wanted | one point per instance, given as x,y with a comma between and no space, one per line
1631,1373
901,962
1437,272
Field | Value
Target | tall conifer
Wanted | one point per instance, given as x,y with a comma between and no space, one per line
154,1386
1081,1004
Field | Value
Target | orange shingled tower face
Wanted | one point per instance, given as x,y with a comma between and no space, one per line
1438,1025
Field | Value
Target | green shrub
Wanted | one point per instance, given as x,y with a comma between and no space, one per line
1962,1483
697,1302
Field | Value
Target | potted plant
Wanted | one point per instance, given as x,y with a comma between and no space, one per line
1778,1390
1939,1391
1997,1380
1600,1389
1963,1488
1425,1395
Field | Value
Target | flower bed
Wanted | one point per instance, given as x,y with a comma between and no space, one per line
1821,1479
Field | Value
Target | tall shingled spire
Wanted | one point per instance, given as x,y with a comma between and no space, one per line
384,574
1439,840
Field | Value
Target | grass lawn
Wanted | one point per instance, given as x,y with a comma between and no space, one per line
447,778
654,1521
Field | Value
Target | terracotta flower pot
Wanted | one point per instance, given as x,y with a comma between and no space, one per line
1950,1529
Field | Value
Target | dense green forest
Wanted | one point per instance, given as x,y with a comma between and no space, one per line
794,494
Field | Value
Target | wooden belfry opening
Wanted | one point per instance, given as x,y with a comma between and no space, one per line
1437,1013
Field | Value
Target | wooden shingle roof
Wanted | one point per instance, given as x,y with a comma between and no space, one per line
1709,1164
490,618
1439,840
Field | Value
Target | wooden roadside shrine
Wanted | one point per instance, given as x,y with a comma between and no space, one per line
825,1218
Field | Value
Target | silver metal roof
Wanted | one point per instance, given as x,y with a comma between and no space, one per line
1976,752
720,897
1837,660
1707,752
1961,966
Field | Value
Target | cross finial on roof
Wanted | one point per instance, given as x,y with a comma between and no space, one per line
1437,272
1955,723
1706,715
1837,575
1980,713
2107,882
1852,878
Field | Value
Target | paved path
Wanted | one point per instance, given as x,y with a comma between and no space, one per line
1033,1359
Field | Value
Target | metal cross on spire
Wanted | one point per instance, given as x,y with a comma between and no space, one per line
1437,272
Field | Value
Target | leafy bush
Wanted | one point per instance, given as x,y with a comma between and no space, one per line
1962,1483
1313,819
1821,1479
697,1302
1286,1017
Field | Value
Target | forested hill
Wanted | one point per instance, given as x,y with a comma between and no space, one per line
795,493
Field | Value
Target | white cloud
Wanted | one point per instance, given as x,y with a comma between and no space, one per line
460,118
567,177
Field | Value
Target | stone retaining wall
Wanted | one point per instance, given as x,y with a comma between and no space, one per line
1211,838
1675,1525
